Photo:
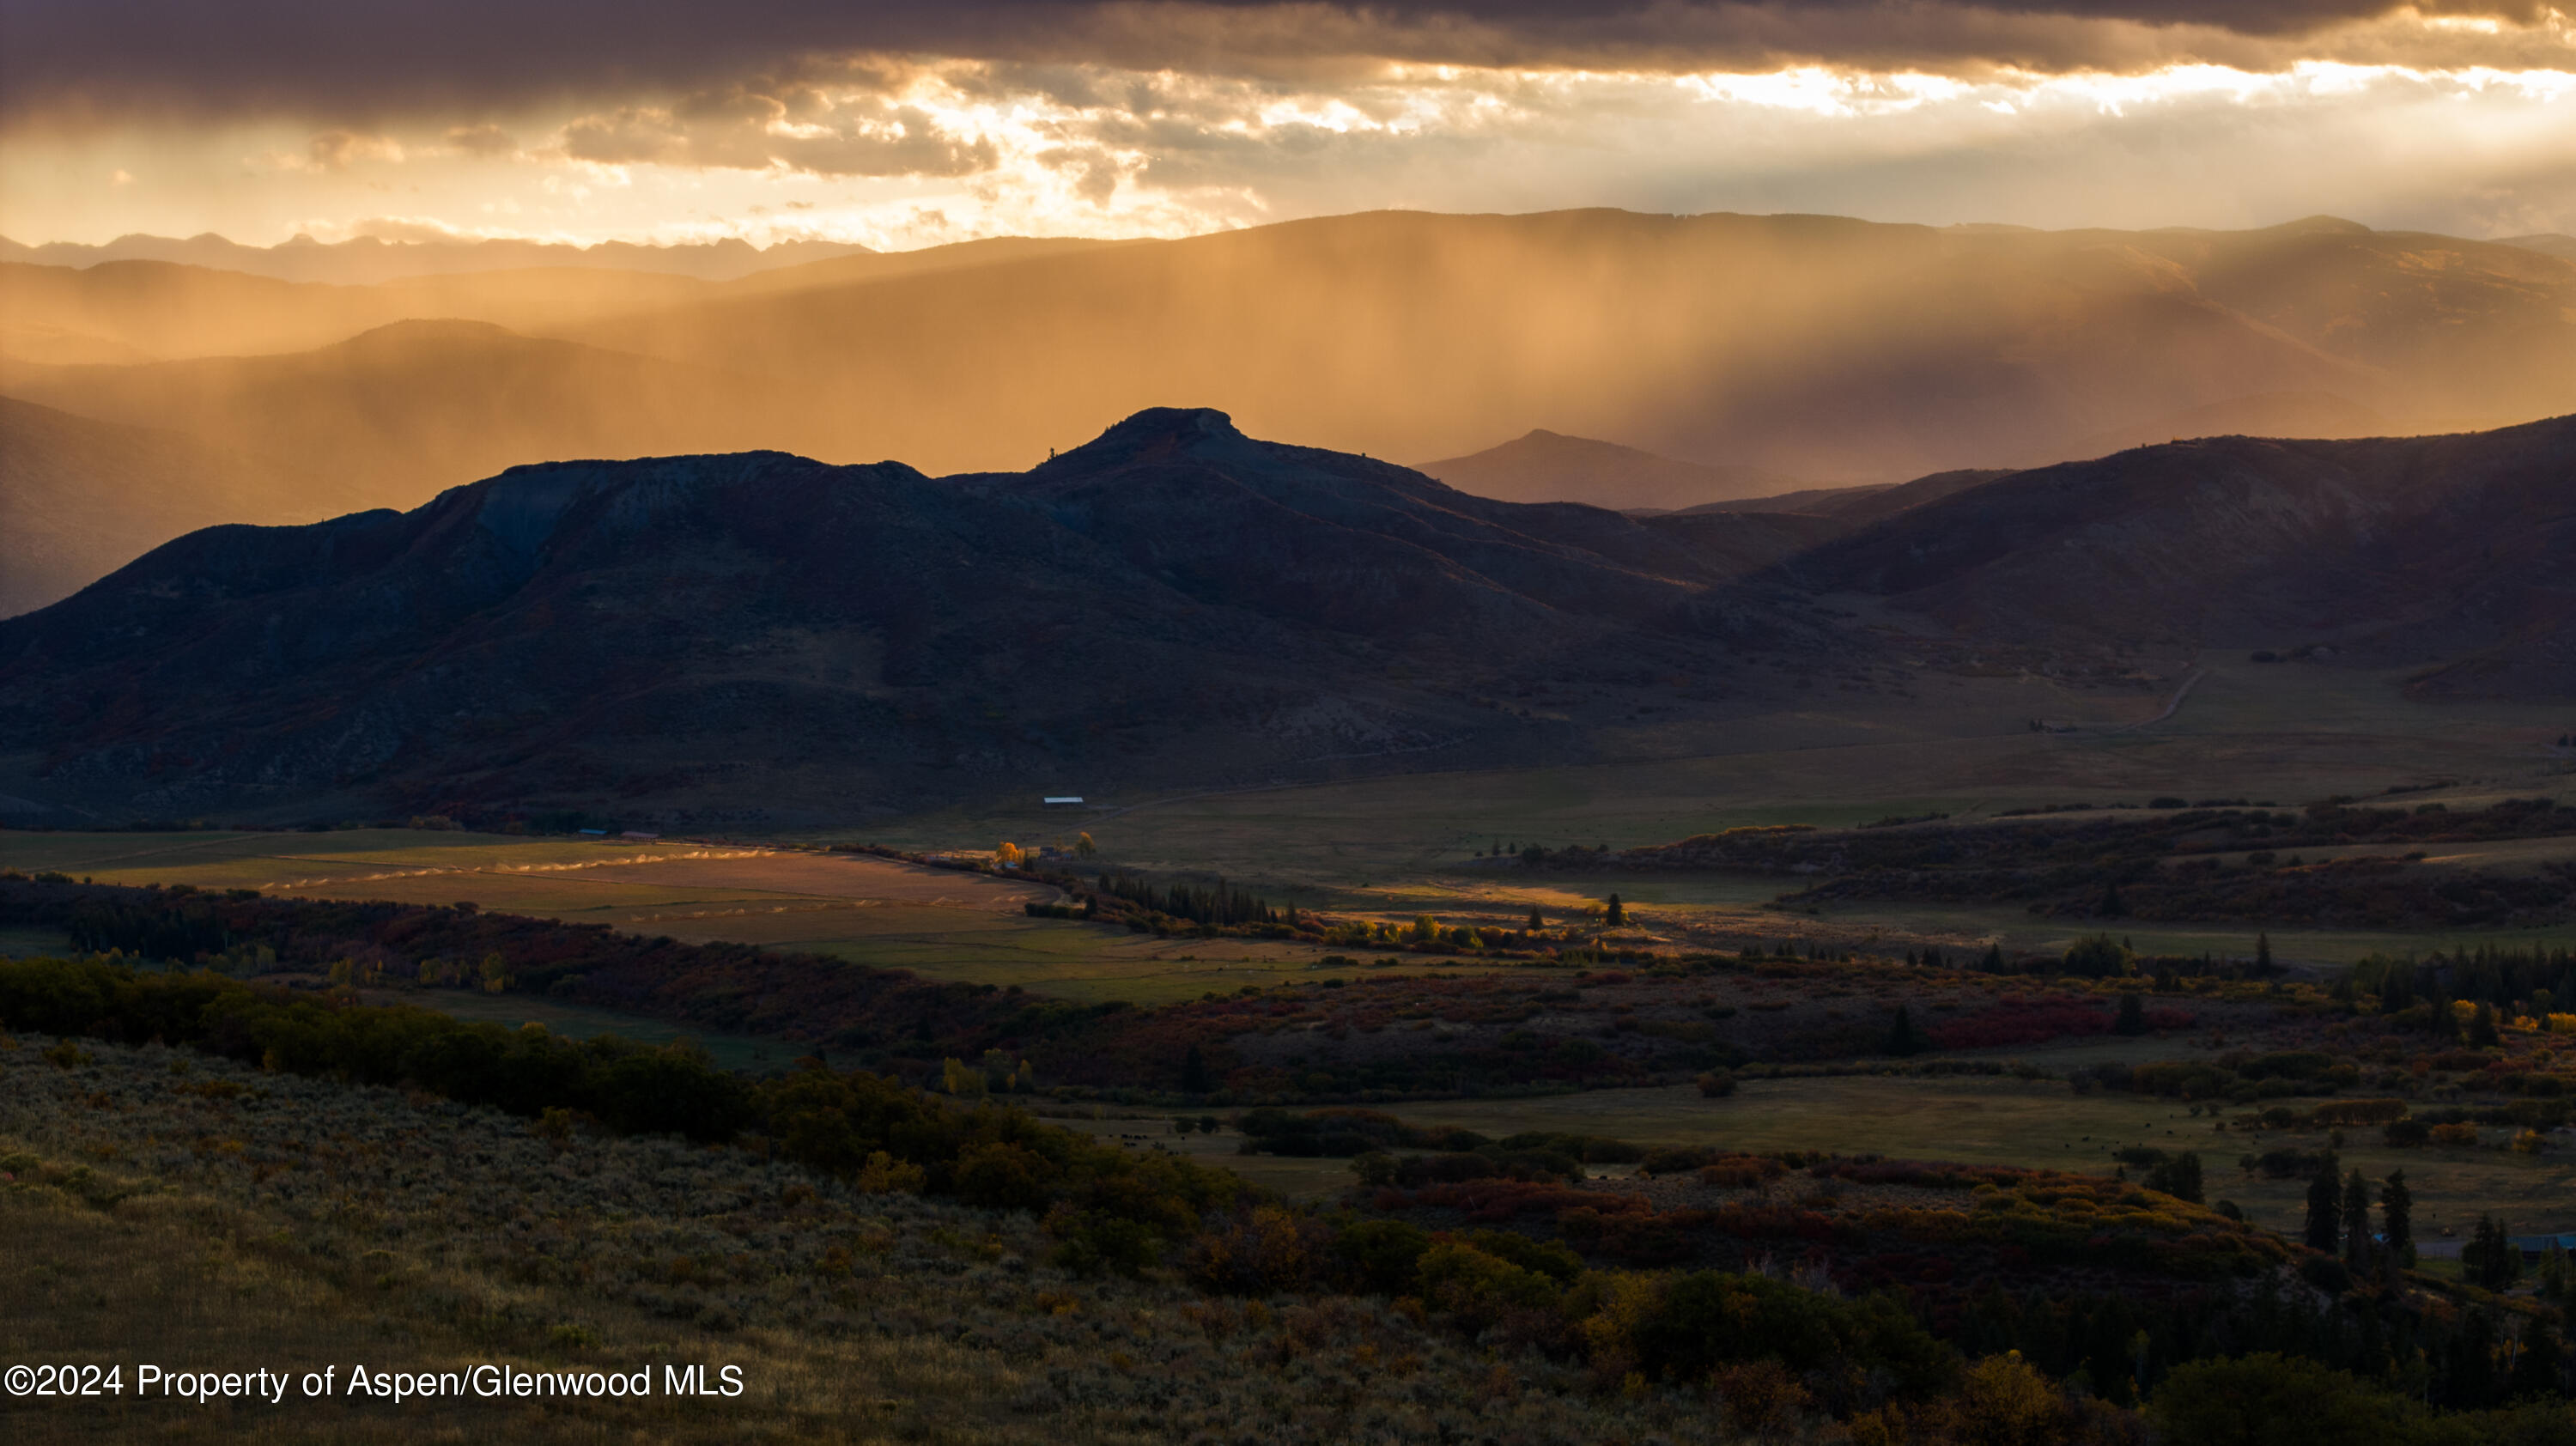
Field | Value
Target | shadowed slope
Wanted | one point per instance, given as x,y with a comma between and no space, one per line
2413,550
764,636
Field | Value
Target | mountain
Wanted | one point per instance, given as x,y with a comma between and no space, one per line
80,499
1543,466
2453,554
760,636
368,259
764,640
140,311
1808,347
2549,243
404,410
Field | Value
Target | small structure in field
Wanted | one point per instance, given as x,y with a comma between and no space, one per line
1063,800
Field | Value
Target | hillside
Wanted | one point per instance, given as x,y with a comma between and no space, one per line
760,635
79,499
1544,466
2452,552
414,406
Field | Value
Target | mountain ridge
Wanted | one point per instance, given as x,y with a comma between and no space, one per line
758,638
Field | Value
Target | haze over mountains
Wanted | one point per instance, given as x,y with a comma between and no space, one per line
368,258
1776,353
759,638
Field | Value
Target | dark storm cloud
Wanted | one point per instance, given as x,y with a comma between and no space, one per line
354,60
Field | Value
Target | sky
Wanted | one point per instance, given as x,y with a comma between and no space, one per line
906,123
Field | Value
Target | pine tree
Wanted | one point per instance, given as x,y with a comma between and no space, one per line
2133,1016
2539,1367
1994,960
2324,1230
1901,1038
1536,921
2482,1027
2356,1222
1194,1072
2397,1219
1617,914
2263,951
2111,906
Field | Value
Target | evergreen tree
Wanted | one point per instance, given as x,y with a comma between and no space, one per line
2324,1230
2397,1219
1616,915
2133,1016
1536,920
2472,1384
2482,1027
2111,906
1194,1072
2263,951
2539,1365
1994,960
1901,1038
2356,1221
2490,1259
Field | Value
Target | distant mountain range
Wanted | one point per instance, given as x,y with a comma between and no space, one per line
762,639
1829,351
369,259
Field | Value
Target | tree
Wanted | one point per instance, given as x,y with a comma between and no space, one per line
2133,1016
2539,1366
2111,906
1083,846
2263,952
1616,915
2356,1221
2397,1218
2099,957
2482,1027
2325,1206
2179,1177
1901,1038
1194,1072
1994,960
2491,1259
2273,1400
1537,921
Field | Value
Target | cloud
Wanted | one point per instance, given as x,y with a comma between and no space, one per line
482,140
74,62
805,129
334,150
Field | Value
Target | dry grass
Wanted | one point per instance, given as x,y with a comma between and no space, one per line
298,1224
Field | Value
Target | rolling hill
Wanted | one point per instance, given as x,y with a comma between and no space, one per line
2454,554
